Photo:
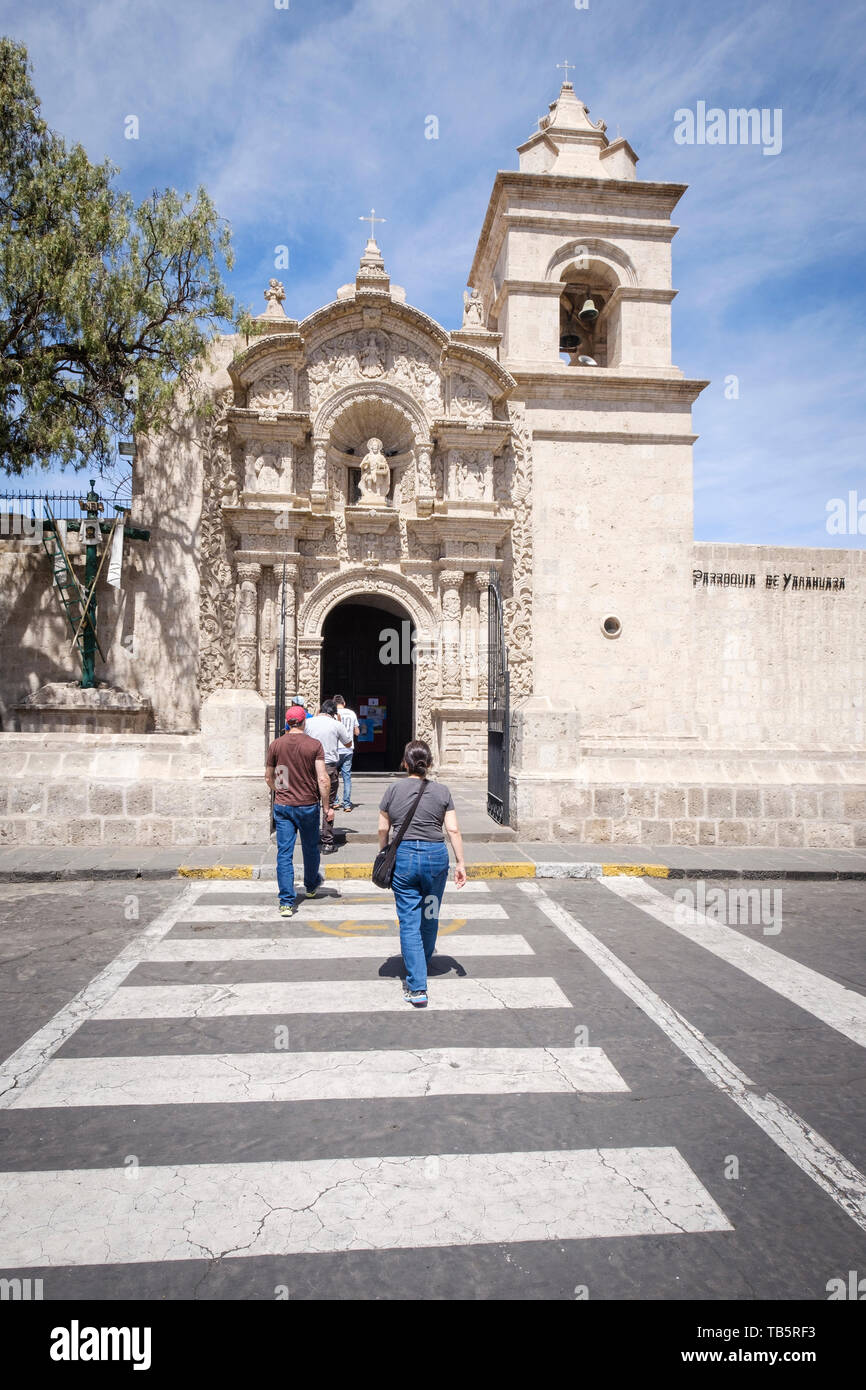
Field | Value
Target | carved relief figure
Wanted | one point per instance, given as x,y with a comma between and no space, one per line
375,476
267,478
372,356
274,390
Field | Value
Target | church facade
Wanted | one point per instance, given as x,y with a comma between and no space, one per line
365,471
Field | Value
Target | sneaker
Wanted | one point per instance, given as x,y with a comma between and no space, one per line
312,892
416,997
288,909
347,809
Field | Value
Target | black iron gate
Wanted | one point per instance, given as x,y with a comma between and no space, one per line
498,707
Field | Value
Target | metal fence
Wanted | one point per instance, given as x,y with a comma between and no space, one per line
64,505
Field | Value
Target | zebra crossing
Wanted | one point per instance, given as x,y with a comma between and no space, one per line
324,968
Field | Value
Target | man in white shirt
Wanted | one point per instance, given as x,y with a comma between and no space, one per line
349,720
326,727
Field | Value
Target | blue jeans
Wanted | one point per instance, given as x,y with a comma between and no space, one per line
420,875
290,821
344,770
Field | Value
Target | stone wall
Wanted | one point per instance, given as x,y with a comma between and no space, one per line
141,789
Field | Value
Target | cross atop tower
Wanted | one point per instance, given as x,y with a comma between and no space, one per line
372,219
566,65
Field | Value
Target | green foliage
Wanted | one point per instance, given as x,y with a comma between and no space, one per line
106,309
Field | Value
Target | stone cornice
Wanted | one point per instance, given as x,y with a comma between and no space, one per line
458,352
389,308
600,383
470,434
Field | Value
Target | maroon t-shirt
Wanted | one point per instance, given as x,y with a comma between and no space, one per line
293,756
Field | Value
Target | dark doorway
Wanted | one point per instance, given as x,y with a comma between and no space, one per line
375,675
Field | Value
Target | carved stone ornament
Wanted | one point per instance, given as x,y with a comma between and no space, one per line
274,390
468,400
372,355
275,291
217,590
375,476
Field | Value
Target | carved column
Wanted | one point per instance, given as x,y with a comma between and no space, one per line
424,498
450,582
268,631
309,670
482,581
291,624
319,490
246,626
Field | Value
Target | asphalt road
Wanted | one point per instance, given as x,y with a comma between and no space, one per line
602,1101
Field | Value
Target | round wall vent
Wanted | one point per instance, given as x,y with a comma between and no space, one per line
611,626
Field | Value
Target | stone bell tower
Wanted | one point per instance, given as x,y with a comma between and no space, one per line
574,264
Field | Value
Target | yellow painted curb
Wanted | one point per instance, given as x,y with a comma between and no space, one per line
347,870
217,871
636,870
512,870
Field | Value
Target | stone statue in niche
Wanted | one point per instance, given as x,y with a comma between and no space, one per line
375,476
267,477
473,309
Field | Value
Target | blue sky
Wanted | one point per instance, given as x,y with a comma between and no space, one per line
299,119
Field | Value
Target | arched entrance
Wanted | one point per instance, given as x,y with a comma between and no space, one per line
367,645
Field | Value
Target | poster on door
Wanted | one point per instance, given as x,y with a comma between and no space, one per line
371,721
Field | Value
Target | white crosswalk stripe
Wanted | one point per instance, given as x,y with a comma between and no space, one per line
344,887
246,1209
319,911
94,1215
228,948
326,996
282,1076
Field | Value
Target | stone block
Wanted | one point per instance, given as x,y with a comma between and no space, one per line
859,829
174,799
214,799
153,830
762,832
830,836
747,802
13,832
234,730
139,799
15,762
85,830
854,803
655,832
577,804
684,832
791,833
707,834
609,802
190,832
105,799
777,803
597,830
671,803
831,804
697,801
641,802
720,802
118,831
47,832
188,766
807,803
27,799
250,800
626,832
732,832
66,800
220,832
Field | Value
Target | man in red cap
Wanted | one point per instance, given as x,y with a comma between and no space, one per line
295,773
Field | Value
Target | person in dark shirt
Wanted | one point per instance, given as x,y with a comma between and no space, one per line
295,773
421,867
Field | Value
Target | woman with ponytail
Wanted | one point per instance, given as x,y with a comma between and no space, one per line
421,867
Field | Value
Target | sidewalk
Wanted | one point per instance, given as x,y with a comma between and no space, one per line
513,859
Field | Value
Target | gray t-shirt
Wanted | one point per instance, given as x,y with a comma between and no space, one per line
330,734
426,824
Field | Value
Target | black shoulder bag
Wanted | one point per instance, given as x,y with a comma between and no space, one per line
383,867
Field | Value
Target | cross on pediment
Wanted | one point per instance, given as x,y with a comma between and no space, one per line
566,65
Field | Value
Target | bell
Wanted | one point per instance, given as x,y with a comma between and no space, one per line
569,342
588,313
